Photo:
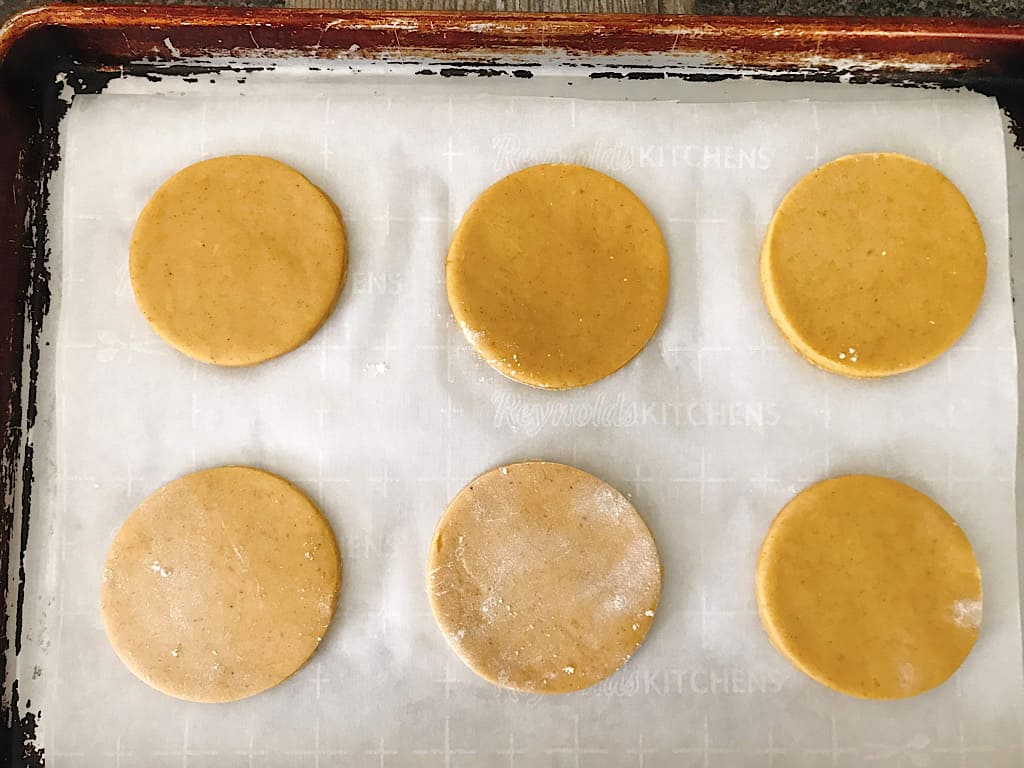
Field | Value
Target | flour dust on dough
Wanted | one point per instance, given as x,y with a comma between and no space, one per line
558,275
542,577
873,265
220,585
237,260
869,587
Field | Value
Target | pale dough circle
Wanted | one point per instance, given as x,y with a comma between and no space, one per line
237,260
220,585
558,275
874,264
542,577
869,587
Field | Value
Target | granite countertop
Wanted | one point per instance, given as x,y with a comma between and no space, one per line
1009,9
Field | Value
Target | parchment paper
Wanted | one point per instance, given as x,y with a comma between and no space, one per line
387,413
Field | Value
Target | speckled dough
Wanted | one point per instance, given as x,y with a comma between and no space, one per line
873,264
542,577
558,275
220,585
869,587
237,260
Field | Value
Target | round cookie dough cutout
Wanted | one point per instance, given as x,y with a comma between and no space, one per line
873,265
220,585
869,587
558,275
237,260
542,577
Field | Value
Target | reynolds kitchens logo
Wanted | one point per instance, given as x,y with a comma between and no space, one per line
726,681
511,155
364,545
377,283
512,412
645,681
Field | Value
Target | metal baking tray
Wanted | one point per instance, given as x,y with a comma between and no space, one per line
657,55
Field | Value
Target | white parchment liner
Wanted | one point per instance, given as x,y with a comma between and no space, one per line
387,412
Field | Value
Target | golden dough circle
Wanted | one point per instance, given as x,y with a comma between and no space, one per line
873,265
869,587
220,585
237,260
542,577
558,275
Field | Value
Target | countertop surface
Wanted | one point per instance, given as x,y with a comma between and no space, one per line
1009,9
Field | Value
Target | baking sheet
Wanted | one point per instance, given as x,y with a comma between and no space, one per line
387,413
